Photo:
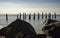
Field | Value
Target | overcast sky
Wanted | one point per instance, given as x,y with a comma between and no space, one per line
17,5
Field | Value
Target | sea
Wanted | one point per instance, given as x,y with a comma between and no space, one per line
37,24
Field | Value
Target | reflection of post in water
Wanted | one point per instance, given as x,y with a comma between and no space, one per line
30,16
17,16
45,15
42,15
6,17
55,15
38,16
34,16
49,15
20,15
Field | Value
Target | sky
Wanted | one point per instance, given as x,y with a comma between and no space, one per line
29,6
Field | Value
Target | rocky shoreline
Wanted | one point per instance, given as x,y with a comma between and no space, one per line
22,29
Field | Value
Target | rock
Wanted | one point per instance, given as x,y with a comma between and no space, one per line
18,29
2,36
52,28
49,21
41,35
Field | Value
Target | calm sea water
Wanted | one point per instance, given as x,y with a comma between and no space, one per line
37,24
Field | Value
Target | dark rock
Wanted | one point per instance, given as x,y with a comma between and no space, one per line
55,32
48,21
52,28
18,29
41,35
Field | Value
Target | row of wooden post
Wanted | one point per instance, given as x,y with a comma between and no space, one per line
34,16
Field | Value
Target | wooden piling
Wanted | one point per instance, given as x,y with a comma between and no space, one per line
49,15
34,16
55,15
6,17
45,15
42,15
38,16
30,16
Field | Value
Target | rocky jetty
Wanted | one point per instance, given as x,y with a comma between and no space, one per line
18,29
52,28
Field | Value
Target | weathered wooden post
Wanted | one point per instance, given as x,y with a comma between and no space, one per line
20,15
49,15
30,16
42,15
17,16
34,16
45,15
55,15
38,16
6,17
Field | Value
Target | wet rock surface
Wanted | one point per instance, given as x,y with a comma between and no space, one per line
18,29
52,28
22,29
49,21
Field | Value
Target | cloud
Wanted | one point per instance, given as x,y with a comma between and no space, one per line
32,0
29,4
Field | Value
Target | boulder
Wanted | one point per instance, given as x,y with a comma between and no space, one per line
52,28
49,21
41,35
18,29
